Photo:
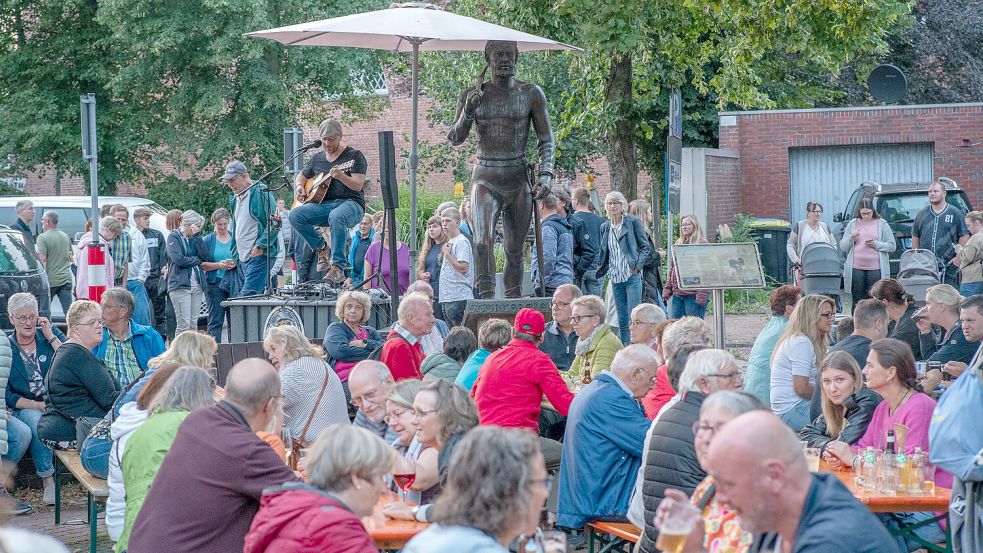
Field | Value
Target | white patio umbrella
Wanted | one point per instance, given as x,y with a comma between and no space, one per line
409,27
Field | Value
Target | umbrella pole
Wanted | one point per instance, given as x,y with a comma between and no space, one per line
414,158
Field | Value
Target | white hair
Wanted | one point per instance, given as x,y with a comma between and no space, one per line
650,313
191,217
21,301
633,357
702,364
618,197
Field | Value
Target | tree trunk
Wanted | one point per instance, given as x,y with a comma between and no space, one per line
57,182
621,140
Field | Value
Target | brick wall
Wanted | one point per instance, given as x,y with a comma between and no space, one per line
762,139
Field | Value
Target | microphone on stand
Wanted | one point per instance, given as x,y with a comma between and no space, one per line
311,146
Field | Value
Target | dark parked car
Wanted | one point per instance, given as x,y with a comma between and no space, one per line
20,271
898,204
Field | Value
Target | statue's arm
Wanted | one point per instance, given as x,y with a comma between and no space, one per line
544,131
462,122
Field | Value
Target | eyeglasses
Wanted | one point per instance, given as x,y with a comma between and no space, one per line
577,318
545,482
636,323
559,304
420,413
99,322
816,211
389,418
703,427
26,318
728,376
829,315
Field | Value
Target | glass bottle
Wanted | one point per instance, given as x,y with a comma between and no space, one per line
586,377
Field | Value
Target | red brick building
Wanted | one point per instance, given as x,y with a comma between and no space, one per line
771,162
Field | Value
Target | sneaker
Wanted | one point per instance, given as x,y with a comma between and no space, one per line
14,506
49,495
335,275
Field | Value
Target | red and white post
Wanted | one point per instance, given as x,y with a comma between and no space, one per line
96,255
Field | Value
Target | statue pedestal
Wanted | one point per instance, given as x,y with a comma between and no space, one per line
479,311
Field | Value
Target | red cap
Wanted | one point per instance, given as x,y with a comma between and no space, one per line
530,321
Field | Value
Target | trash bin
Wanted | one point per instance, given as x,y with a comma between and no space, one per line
771,236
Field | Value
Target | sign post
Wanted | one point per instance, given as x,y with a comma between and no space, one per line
674,162
718,267
96,252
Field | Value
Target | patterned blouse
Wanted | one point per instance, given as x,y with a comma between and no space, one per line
722,526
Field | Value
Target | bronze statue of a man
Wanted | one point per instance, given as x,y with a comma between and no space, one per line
501,109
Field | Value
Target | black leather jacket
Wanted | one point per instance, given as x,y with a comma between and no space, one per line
860,408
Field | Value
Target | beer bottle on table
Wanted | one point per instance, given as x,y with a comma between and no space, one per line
890,441
585,377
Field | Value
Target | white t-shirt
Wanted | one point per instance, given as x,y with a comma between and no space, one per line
795,357
453,285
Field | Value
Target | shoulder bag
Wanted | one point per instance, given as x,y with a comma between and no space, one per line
300,443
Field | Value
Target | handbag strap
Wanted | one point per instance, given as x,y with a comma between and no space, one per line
324,386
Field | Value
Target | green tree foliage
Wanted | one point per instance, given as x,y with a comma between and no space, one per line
612,98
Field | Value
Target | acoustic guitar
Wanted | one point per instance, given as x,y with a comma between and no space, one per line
317,187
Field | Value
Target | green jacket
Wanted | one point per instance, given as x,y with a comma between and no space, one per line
142,457
439,366
600,354
261,204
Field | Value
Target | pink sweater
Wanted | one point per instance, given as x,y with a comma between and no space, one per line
916,414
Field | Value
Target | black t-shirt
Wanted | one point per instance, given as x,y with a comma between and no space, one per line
336,190
937,232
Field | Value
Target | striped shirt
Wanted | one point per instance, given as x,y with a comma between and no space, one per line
618,270
300,384
121,248
121,360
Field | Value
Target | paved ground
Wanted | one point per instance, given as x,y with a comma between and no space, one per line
74,532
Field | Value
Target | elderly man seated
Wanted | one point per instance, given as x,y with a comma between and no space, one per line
370,383
671,458
403,351
602,449
434,341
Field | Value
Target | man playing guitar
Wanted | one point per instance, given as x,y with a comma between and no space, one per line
343,205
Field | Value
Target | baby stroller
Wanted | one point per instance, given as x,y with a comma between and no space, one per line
917,271
821,269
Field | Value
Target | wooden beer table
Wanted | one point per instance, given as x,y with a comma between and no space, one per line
937,502
389,534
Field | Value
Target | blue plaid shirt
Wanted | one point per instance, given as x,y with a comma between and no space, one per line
121,360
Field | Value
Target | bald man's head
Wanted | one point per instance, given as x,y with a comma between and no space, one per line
760,470
251,384
369,384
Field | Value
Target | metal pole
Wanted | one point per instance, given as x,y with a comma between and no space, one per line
414,158
719,329
90,154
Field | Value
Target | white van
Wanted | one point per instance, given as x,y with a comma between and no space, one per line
74,211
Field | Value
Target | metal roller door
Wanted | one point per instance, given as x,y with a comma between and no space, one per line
829,174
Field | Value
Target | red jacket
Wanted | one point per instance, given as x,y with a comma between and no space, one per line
299,518
402,359
660,394
511,385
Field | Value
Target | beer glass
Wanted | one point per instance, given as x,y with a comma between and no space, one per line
812,458
677,526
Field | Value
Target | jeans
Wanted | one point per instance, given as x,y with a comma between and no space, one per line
453,312
157,304
18,439
64,295
798,416
43,458
627,295
256,275
685,306
340,215
967,289
216,313
306,261
94,454
590,285
187,305
141,310
932,533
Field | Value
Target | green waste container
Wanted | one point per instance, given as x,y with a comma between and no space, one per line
771,236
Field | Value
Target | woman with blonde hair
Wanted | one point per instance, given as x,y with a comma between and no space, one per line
349,340
971,257
652,271
798,354
685,303
313,397
413,456
625,249
467,221
847,404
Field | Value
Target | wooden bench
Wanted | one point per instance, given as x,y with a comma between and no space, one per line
612,536
97,490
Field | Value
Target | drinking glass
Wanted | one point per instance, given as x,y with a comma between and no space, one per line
677,526
928,479
554,541
812,458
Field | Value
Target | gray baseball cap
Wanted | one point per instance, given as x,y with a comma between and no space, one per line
233,170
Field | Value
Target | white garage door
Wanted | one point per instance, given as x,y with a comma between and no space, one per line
830,174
